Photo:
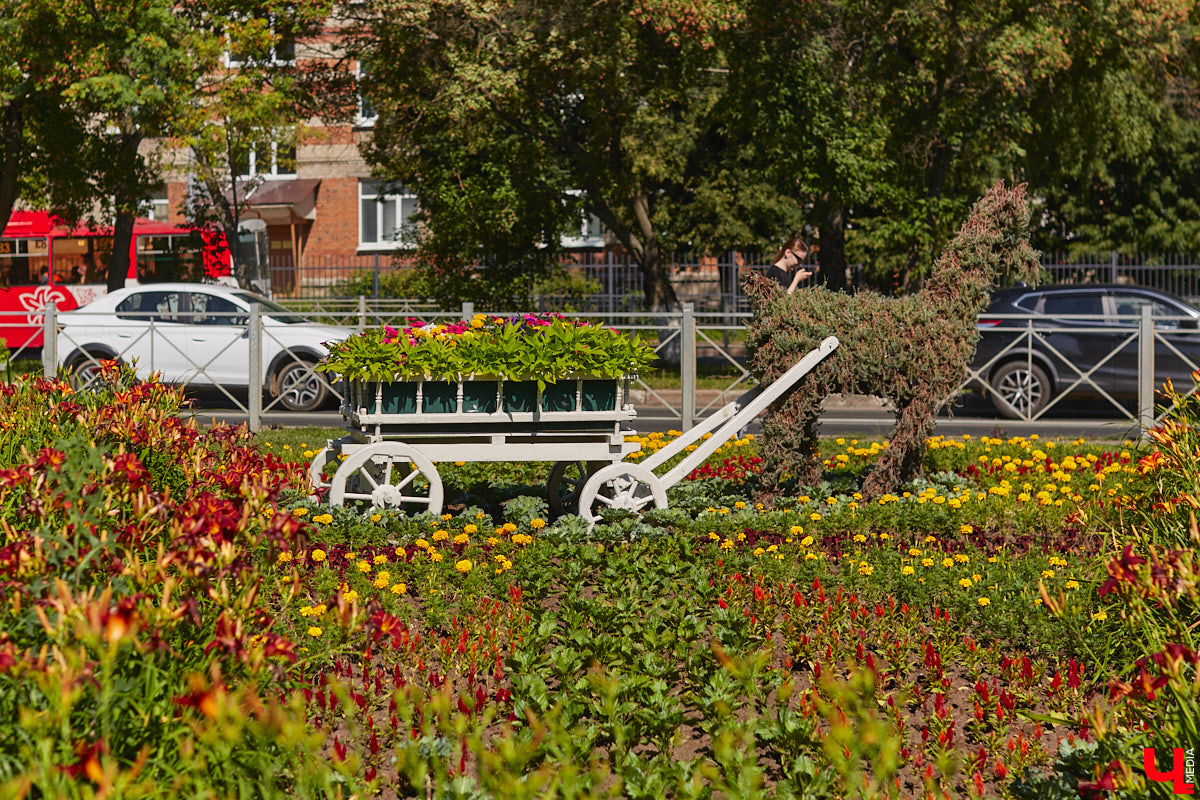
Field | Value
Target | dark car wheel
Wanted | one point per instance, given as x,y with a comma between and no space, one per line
1020,389
301,389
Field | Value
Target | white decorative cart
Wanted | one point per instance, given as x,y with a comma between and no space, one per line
396,432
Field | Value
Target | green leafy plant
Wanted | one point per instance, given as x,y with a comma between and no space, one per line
530,347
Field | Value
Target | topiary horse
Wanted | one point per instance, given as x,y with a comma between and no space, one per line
910,350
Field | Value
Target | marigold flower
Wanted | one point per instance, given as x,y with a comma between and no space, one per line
382,580
537,524
364,567
422,544
865,569
470,528
284,557
461,538
966,529
947,562
522,539
318,555
906,570
376,517
796,530
984,601
323,519
806,541
299,512
1047,573
1072,584
350,596
435,556
492,541
399,589
966,583
758,551
314,631
1100,615
440,535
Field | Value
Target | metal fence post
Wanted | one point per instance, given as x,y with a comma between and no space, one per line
1112,266
687,366
468,310
1146,370
375,281
256,373
50,340
362,313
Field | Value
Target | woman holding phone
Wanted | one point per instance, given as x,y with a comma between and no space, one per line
785,269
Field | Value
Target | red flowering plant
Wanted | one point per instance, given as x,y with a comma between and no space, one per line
130,559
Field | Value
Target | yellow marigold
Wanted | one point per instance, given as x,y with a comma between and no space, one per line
811,556
318,555
470,528
364,566
299,512
435,556
912,551
461,538
376,517
522,539
966,528
814,516
806,541
399,588
285,557
493,541
380,559
758,551
865,569
1047,573
796,530
1072,584
947,562
440,535
382,580
906,570
510,527
422,544
984,601
537,524
447,516
727,544
314,631
962,558
966,583
464,566
1100,615
350,596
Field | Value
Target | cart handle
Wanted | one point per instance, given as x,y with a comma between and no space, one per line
752,403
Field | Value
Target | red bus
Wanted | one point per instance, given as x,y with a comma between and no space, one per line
43,259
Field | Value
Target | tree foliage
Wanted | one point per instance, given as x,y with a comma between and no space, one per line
510,120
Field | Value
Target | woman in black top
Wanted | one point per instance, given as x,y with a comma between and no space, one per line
786,269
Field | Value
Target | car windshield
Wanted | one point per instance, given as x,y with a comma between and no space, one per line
271,308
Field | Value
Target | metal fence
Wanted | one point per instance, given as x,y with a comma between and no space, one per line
687,338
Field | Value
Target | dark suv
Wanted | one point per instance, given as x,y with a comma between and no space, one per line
1034,346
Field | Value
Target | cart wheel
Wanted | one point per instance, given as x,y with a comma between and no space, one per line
388,475
629,487
327,455
565,483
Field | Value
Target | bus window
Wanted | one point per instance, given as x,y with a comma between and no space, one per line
23,261
83,259
174,257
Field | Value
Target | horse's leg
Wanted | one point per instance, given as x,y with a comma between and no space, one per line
905,454
789,445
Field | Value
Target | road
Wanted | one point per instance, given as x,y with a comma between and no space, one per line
863,419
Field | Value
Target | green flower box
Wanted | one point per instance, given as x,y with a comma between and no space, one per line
439,397
520,396
598,395
559,396
480,397
393,398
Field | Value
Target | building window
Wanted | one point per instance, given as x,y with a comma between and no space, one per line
156,207
281,50
591,229
385,215
366,112
266,158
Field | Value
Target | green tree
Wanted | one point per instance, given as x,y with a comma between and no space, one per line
891,117
511,121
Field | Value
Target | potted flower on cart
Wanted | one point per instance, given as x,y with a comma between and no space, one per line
486,365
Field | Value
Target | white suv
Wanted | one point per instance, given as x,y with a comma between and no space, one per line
198,334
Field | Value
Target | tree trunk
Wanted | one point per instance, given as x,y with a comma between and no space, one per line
660,294
11,129
832,253
125,200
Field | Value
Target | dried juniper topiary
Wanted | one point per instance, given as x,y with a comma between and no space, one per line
911,350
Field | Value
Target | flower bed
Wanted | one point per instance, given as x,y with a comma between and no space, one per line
176,613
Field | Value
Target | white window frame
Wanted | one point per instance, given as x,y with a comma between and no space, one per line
272,173
402,227
361,118
274,60
586,238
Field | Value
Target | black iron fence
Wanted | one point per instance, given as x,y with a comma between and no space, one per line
611,282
